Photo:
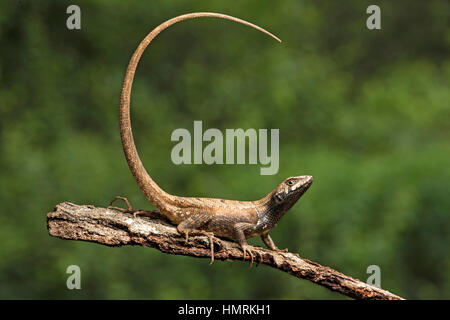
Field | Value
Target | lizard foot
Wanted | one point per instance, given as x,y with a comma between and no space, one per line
210,236
245,250
129,209
257,260
260,258
145,213
186,236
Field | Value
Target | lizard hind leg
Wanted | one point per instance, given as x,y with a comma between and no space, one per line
239,235
124,199
152,214
244,247
193,226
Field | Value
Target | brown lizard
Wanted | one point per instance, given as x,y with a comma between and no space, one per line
232,219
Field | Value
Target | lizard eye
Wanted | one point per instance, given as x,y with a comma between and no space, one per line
290,182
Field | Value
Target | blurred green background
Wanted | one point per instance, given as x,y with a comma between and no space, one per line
365,112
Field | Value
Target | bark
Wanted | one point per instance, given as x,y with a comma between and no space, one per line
113,227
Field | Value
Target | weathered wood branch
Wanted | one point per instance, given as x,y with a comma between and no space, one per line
114,228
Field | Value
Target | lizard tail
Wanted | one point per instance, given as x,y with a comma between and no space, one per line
151,190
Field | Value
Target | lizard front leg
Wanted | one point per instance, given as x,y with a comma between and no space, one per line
269,242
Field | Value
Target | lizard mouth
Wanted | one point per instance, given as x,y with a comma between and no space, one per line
309,181
305,183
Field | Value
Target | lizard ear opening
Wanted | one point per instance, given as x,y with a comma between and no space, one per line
280,196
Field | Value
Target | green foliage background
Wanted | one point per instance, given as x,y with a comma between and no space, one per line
365,112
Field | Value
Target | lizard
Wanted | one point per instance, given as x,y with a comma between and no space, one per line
231,219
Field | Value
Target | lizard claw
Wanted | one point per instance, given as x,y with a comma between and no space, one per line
260,258
129,208
251,259
211,244
144,213
245,250
209,235
116,208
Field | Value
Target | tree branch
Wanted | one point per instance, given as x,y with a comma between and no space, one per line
114,228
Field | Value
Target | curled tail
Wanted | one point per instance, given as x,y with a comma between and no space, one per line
151,190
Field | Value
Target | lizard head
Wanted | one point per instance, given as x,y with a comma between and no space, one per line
290,190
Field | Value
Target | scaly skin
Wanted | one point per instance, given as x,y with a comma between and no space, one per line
235,220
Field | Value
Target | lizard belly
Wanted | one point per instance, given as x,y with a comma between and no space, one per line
223,225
